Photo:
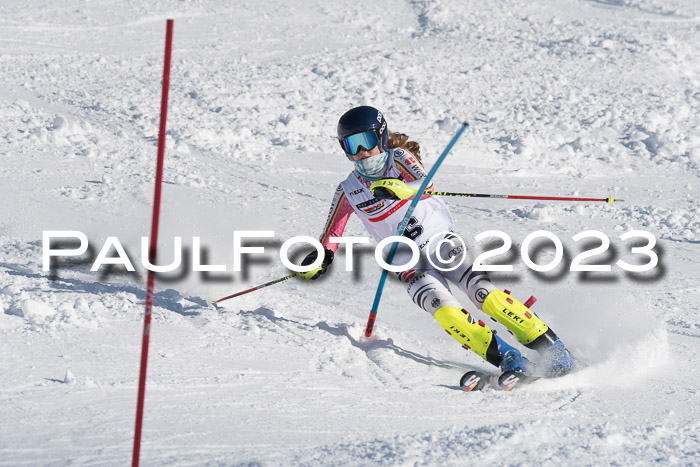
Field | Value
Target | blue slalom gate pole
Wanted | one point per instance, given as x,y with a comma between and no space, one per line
404,224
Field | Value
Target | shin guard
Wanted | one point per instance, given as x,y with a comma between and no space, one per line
473,335
520,321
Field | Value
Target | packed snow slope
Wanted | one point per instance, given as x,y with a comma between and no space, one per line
564,97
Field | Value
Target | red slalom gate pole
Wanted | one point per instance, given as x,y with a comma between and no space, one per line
154,244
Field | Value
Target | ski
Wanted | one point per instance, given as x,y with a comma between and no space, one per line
477,380
510,379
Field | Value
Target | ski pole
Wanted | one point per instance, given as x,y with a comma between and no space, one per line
609,199
257,287
402,227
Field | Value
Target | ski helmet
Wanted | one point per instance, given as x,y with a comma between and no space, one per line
360,120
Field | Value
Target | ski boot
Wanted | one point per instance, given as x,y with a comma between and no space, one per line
514,367
557,359
511,358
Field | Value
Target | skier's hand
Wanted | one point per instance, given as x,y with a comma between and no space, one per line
316,273
392,188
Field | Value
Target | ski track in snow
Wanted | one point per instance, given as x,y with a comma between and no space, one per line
565,98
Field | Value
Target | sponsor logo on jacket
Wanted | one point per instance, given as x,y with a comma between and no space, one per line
368,207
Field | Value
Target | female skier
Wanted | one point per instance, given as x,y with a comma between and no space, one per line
387,173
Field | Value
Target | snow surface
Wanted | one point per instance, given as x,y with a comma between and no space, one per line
566,97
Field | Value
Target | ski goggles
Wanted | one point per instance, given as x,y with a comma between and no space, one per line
366,140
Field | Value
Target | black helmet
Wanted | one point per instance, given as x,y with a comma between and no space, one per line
361,119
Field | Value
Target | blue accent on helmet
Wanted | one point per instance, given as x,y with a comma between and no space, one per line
361,119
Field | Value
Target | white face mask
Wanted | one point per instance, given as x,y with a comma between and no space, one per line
372,168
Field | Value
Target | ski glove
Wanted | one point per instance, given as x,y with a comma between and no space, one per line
392,188
316,273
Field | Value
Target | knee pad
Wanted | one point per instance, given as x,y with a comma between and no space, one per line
524,324
473,335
